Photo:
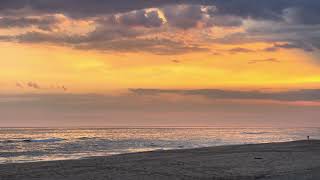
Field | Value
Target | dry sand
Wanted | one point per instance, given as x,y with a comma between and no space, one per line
298,160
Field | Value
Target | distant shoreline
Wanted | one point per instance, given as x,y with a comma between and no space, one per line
287,160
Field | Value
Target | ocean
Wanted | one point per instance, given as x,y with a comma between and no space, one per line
19,145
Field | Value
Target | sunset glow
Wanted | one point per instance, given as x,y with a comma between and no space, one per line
80,61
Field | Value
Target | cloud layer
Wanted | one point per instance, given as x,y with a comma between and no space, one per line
119,24
297,95
158,109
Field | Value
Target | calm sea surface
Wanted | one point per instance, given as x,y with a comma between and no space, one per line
18,145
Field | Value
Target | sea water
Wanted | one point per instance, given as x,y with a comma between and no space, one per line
18,145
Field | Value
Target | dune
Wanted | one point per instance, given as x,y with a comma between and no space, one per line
298,160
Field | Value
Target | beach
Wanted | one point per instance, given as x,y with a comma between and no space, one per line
298,160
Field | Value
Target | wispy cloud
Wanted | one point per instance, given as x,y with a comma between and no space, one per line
36,86
303,46
293,95
240,50
33,85
269,60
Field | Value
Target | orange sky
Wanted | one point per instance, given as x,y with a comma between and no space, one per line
96,72
49,61
262,60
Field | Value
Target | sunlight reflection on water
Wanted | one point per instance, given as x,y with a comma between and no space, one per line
28,145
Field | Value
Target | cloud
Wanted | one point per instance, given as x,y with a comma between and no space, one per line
140,18
297,95
63,110
64,88
271,9
293,21
272,60
225,21
175,61
183,16
44,23
33,85
111,39
280,35
101,34
301,11
240,50
77,8
36,86
303,46
19,85
193,16
58,87
276,10
301,15
150,45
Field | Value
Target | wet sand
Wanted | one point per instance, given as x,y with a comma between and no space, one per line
298,160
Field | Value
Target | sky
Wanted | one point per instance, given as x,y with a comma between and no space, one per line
219,63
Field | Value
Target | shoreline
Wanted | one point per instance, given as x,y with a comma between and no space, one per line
138,152
281,160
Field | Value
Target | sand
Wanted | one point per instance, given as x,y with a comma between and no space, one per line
298,160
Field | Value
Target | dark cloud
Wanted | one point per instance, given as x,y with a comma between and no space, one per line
123,32
302,15
78,8
127,20
301,10
303,46
270,9
101,34
293,21
140,18
225,21
191,16
298,95
55,38
183,16
44,23
7,38
281,35
111,39
150,45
